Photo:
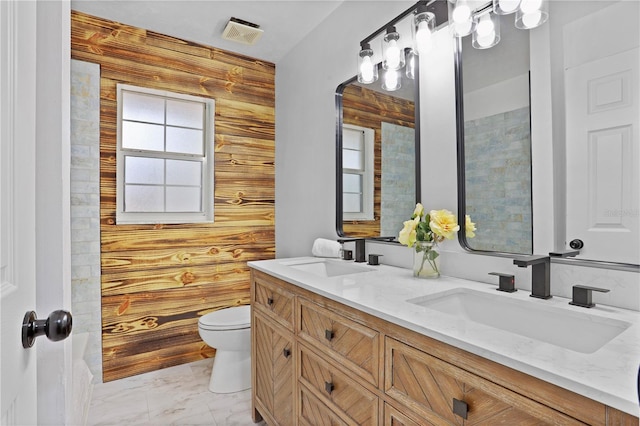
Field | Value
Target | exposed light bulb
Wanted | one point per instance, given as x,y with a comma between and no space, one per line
528,6
391,80
463,28
461,13
393,55
487,32
486,40
531,19
424,38
508,6
366,69
485,27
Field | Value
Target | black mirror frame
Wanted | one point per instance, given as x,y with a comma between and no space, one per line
339,123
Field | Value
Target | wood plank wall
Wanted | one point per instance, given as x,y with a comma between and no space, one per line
368,108
157,280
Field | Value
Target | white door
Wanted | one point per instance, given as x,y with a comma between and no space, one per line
603,150
17,209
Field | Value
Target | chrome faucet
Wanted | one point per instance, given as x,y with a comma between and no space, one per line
540,274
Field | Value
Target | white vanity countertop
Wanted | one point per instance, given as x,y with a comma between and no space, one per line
609,375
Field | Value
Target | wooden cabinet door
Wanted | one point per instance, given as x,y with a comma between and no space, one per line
443,393
274,370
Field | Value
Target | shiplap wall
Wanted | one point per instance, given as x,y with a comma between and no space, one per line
157,280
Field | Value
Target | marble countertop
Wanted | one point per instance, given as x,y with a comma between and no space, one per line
609,375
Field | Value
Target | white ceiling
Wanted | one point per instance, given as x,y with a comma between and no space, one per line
285,23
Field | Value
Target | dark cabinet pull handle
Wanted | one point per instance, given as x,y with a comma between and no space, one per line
270,301
328,334
56,327
460,408
328,386
286,353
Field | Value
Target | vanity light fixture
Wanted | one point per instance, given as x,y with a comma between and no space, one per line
392,53
487,33
486,22
424,23
461,21
367,69
399,52
531,14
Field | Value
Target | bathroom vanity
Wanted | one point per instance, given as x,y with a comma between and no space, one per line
340,343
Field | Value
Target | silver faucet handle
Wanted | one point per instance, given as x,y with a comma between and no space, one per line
582,295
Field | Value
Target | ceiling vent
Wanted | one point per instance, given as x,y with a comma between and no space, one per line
242,31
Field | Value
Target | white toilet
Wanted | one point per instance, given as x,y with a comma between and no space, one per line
229,332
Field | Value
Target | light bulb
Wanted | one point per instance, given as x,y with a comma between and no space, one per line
366,69
508,6
461,13
391,80
424,39
486,40
393,55
487,33
528,6
485,27
463,28
531,19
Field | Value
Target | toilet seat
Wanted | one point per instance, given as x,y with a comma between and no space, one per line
235,318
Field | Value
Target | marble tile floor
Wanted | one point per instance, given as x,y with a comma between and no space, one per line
172,396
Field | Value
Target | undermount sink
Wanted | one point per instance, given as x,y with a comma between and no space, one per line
329,268
577,331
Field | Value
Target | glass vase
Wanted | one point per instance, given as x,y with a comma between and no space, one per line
426,260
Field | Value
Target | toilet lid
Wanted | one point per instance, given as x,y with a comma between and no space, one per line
227,318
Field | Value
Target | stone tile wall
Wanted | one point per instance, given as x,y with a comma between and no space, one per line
85,209
498,181
398,197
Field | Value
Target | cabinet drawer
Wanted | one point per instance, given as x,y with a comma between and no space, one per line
393,417
440,391
315,413
336,389
348,342
272,299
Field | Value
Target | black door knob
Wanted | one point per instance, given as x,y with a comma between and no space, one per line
56,327
576,244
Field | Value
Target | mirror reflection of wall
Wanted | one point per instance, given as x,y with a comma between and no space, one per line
497,142
375,202
598,59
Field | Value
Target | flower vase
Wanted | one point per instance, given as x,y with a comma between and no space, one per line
426,260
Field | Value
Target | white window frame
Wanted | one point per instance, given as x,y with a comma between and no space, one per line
206,215
366,173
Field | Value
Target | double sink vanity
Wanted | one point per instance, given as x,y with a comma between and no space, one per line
336,342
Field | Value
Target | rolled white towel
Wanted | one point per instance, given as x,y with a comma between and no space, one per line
325,248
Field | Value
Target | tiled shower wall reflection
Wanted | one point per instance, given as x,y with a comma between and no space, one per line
398,198
85,210
498,181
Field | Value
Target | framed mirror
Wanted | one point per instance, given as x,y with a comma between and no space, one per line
494,142
377,157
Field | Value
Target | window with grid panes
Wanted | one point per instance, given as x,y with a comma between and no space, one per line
357,172
164,163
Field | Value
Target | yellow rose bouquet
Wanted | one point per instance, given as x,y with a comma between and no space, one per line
425,231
